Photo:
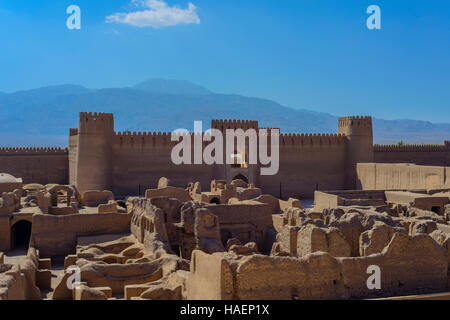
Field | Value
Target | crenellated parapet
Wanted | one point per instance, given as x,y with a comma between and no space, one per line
155,139
134,139
299,140
269,129
33,151
161,139
411,147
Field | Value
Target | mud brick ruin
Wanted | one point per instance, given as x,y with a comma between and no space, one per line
114,210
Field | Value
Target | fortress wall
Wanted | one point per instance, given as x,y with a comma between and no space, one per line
386,176
133,162
140,159
431,155
308,162
36,165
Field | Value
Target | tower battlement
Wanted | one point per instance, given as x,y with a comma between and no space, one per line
355,121
234,124
96,116
357,117
355,126
95,123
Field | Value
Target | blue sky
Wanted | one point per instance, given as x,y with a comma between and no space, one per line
313,54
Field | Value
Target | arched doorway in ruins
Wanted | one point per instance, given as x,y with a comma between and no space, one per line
20,234
215,201
242,177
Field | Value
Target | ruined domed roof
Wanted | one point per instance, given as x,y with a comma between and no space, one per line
7,178
33,186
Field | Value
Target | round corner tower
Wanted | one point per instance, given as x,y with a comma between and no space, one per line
359,133
94,156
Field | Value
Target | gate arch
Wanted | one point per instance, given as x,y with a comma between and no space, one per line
242,177
20,234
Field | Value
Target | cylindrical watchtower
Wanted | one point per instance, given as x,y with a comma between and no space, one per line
359,133
94,154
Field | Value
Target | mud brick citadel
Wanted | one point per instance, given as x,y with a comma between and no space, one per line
128,163
114,209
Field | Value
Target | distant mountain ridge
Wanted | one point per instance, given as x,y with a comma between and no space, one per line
42,117
177,87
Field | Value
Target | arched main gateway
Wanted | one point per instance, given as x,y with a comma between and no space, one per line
20,234
242,177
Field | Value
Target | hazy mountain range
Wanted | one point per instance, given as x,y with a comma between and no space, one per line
42,117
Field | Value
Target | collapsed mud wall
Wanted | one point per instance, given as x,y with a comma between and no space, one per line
409,264
57,235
